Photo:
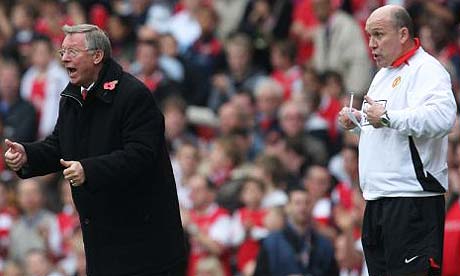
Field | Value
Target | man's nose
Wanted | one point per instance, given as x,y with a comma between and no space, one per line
372,43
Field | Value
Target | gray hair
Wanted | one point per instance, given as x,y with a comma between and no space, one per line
303,111
401,19
96,39
266,85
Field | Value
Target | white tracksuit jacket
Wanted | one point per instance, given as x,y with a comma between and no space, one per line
409,158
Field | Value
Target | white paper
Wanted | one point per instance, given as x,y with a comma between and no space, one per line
353,118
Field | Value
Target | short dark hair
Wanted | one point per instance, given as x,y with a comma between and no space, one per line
401,19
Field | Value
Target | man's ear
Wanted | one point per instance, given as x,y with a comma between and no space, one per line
404,35
98,56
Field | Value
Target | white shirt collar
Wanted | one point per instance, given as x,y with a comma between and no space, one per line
87,89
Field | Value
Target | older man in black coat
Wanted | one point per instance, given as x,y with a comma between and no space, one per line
109,139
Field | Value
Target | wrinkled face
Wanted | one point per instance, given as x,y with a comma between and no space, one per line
385,40
79,61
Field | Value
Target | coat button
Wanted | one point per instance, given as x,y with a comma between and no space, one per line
86,221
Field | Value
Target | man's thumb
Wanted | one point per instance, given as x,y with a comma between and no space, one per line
10,145
65,163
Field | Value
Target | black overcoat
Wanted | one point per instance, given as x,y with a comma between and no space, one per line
128,204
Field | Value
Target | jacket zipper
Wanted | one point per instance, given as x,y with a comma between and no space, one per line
75,98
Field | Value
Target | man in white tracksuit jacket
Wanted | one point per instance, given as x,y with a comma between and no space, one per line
407,113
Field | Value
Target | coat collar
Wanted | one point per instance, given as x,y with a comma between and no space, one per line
111,71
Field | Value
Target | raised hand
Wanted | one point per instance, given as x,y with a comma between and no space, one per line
15,155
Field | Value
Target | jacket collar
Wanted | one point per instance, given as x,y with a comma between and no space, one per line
111,71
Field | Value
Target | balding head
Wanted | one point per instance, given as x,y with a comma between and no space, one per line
391,33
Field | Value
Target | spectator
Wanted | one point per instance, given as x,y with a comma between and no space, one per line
147,69
208,226
176,125
184,25
241,74
266,21
20,121
292,117
42,83
285,71
269,170
36,228
223,160
170,61
340,46
269,96
204,56
318,183
231,117
298,248
185,166
7,216
248,225
230,14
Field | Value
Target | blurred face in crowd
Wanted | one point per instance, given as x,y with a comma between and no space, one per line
252,194
207,20
268,101
317,182
292,120
238,58
168,45
188,159
42,54
218,158
200,195
20,18
9,81
175,123
385,39
29,195
81,63
147,56
228,118
299,207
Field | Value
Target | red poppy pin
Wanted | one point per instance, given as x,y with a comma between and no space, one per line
110,85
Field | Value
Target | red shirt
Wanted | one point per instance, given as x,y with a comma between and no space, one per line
249,249
451,252
205,222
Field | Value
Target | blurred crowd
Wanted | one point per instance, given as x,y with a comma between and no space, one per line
250,91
